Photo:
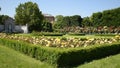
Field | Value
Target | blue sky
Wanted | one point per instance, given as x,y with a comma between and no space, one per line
62,7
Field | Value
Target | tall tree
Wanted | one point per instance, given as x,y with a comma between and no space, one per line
111,17
86,22
29,13
59,18
47,26
75,20
58,21
3,18
97,18
67,21
106,18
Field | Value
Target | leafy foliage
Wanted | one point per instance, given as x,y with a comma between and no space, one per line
106,18
86,22
3,18
46,26
58,22
67,21
46,34
29,13
93,24
75,20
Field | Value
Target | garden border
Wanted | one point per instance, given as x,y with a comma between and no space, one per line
63,57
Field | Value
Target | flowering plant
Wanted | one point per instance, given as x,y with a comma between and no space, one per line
62,41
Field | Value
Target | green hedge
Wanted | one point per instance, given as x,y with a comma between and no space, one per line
41,53
105,34
47,34
76,34
63,57
80,56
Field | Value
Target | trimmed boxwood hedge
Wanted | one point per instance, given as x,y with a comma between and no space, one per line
47,34
63,57
105,34
76,34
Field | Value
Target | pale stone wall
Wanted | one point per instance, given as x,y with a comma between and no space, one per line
10,27
25,28
18,28
22,29
1,28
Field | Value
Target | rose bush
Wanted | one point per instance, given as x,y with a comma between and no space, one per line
61,42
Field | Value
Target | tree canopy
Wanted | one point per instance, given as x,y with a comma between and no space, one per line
86,22
67,21
47,26
29,13
106,18
3,18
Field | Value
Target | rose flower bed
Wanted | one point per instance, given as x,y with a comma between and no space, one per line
60,56
62,42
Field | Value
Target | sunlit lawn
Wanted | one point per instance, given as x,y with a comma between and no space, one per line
13,59
109,62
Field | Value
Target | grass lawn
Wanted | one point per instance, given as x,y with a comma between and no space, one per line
109,62
13,59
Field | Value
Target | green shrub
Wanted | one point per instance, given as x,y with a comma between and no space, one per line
47,34
46,54
62,57
105,34
76,34
78,56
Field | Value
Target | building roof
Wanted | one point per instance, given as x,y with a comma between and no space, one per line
48,15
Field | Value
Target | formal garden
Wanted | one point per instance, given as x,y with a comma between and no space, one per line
63,51
70,41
